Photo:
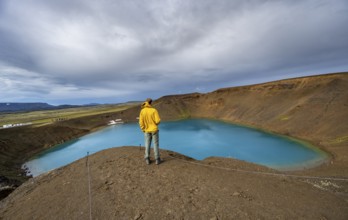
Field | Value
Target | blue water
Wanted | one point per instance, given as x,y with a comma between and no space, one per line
196,138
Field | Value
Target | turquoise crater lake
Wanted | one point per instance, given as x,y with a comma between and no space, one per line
196,138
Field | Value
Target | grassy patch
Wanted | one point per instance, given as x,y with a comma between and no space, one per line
284,117
38,118
339,140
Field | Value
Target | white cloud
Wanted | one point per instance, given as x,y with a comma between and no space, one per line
158,47
19,84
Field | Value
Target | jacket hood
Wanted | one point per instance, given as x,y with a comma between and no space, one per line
146,105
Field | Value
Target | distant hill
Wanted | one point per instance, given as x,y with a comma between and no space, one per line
13,107
22,107
10,107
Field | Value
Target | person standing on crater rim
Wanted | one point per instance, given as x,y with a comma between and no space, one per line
148,121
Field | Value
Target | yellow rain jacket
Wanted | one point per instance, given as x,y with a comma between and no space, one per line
149,118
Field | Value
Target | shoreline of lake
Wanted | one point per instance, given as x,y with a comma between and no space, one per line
321,157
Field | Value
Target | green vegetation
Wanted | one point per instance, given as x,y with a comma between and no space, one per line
339,140
38,118
284,117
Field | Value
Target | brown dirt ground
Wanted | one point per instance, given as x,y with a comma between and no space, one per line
124,187
313,109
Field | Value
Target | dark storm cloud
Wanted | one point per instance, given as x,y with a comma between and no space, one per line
111,49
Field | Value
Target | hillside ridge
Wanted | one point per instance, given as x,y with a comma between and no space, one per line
313,108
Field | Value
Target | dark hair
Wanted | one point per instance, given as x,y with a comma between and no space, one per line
149,100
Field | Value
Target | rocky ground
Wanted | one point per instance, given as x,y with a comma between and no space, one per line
122,186
314,109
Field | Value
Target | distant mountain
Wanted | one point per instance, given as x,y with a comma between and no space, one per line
10,107
32,106
14,107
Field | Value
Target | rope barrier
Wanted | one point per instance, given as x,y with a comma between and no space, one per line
89,188
264,173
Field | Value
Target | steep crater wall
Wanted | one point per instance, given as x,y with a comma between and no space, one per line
314,109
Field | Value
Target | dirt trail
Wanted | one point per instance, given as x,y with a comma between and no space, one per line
124,187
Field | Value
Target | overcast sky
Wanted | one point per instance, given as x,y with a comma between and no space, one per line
109,51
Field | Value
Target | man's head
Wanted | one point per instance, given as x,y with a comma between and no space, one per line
149,100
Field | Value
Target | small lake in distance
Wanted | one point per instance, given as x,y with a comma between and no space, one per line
196,138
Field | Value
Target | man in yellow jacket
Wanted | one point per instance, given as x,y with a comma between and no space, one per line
148,121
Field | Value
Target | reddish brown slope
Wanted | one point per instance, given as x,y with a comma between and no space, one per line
310,108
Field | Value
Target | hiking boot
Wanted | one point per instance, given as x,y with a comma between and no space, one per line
147,161
158,161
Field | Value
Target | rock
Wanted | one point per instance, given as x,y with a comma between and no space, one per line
138,216
236,194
